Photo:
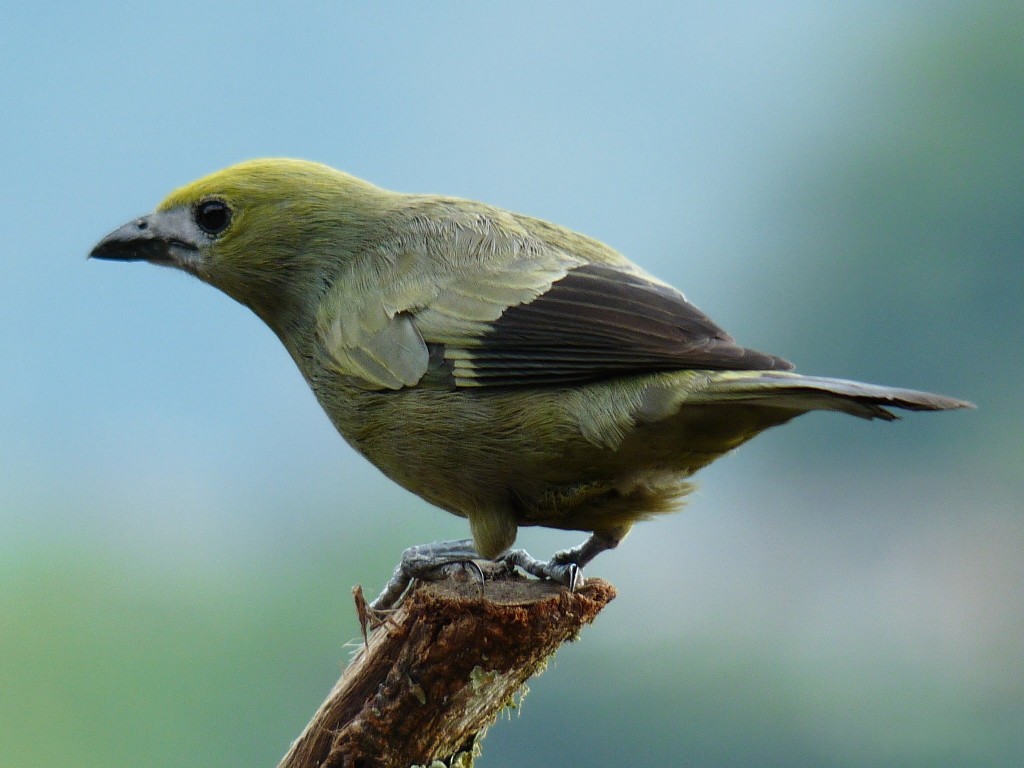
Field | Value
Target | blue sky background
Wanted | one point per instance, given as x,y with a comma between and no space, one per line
838,185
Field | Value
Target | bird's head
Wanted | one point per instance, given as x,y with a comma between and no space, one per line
267,232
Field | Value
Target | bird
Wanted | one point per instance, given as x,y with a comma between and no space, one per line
506,369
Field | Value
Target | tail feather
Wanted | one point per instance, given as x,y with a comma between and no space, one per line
780,389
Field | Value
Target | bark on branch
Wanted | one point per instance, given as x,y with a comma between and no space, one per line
439,670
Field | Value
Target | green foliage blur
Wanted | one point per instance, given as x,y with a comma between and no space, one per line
848,617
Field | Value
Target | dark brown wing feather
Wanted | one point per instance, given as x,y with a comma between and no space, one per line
599,322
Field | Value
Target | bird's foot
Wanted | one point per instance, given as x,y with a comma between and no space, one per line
426,561
435,561
566,567
561,569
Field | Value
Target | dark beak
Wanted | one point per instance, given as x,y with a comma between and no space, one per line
164,237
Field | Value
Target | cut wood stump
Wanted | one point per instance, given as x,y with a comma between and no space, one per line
436,671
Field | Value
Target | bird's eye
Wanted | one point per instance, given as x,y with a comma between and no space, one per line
212,216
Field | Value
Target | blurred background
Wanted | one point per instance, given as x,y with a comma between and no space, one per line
180,526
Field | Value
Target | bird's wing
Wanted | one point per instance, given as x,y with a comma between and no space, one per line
597,321
500,311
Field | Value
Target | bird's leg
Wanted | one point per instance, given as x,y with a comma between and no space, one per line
421,562
424,560
566,567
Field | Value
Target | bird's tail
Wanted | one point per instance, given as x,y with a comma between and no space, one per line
793,391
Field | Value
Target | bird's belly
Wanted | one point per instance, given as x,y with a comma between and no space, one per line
473,452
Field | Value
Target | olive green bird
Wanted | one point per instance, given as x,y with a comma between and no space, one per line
506,369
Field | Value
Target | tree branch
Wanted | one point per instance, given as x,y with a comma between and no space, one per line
439,669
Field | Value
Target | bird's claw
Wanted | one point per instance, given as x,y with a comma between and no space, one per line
429,561
561,568
424,562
